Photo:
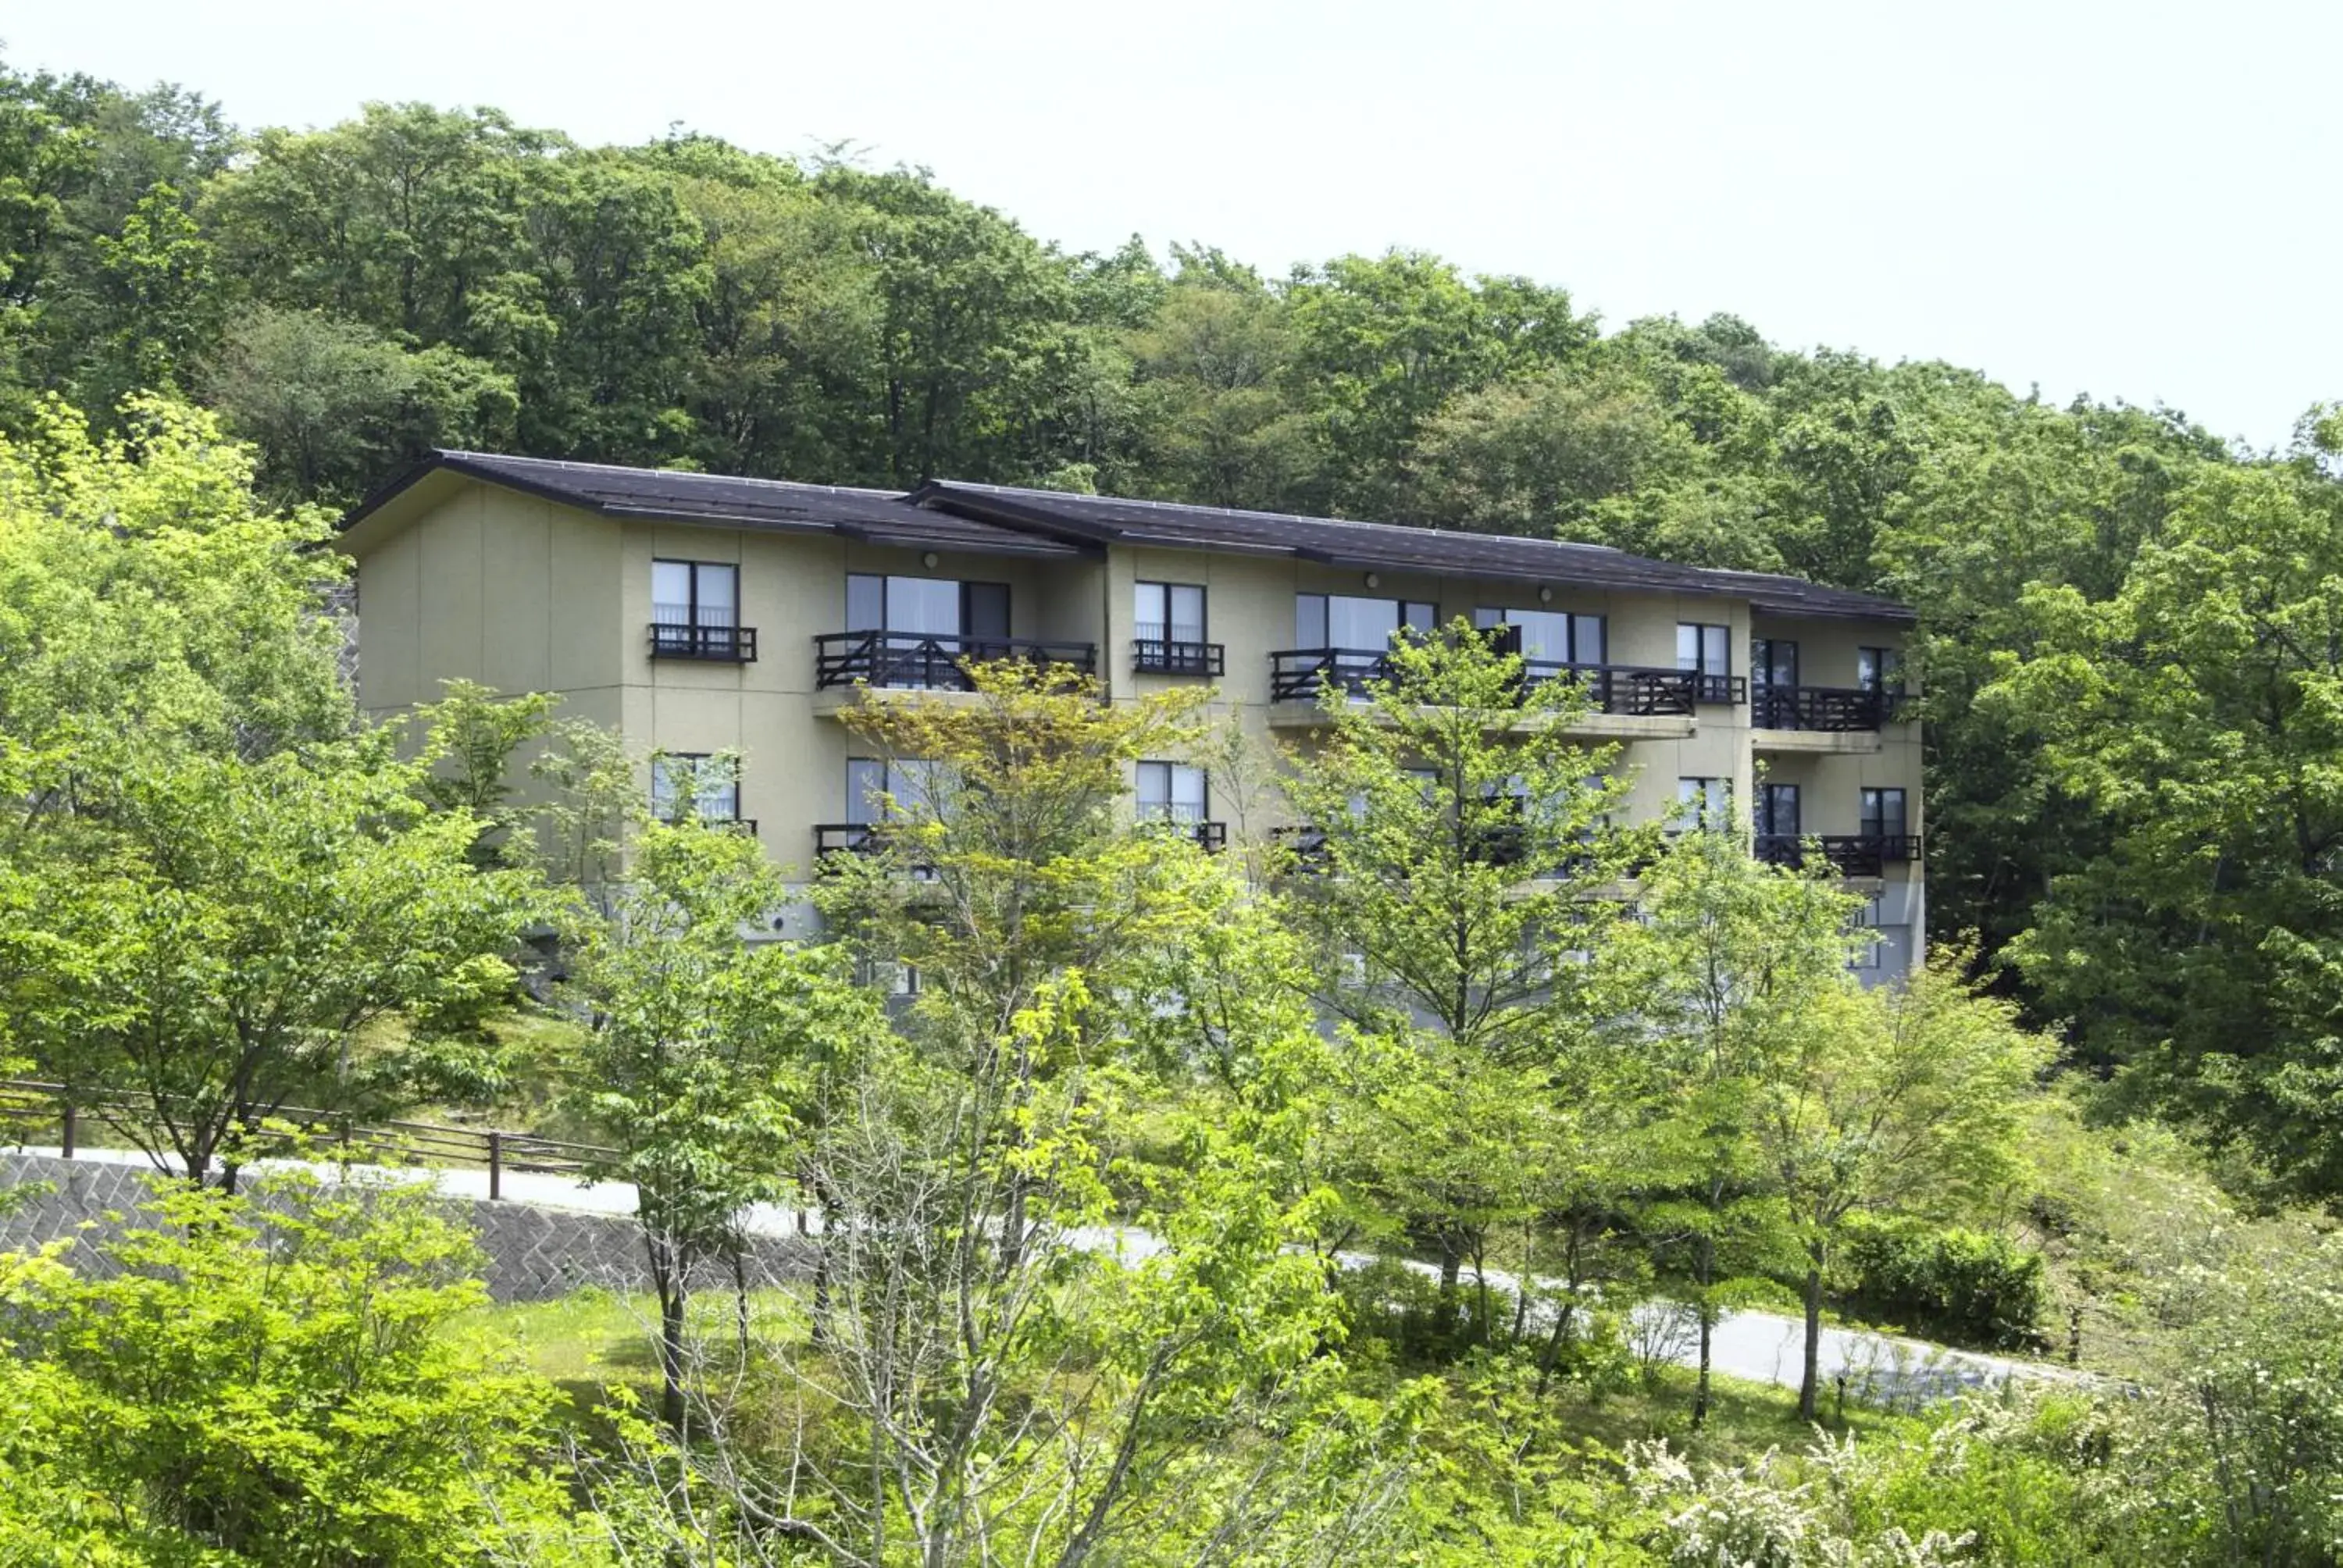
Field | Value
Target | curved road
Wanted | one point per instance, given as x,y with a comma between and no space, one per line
1757,1347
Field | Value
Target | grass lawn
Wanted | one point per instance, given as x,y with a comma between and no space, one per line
594,1339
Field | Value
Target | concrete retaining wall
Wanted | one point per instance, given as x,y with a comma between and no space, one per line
533,1254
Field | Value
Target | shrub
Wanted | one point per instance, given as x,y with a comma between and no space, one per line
1966,1288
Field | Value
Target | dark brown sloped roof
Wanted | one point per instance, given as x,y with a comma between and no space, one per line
1109,519
878,516
1002,519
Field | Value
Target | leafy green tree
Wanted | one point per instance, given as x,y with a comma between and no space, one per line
2196,710
334,407
1212,365
1900,1099
705,1057
1461,865
1732,962
1535,456
290,1377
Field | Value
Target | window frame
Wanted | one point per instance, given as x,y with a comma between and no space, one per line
1871,812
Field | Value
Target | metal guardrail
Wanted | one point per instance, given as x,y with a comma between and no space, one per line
930,662
716,644
27,1104
1854,854
1303,674
1834,708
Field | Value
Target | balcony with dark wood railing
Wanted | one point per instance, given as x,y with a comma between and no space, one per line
1829,709
708,644
1851,854
847,838
1161,649
1301,675
931,661
1209,837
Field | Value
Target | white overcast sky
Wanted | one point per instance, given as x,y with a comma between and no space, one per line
2133,198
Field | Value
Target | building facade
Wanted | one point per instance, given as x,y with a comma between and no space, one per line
695,614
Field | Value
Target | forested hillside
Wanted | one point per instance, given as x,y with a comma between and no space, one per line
2132,635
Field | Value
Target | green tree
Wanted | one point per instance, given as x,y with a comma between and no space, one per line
2197,712
1732,961
1461,865
172,1398
1900,1100
705,1058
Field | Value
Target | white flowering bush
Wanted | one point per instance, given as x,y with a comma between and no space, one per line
1777,1513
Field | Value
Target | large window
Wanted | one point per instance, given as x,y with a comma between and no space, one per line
1173,792
1552,635
695,611
1883,814
1364,625
1703,803
916,630
1169,612
694,783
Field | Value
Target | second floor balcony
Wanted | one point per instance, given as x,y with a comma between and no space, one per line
1851,854
1824,709
1177,656
931,661
1302,675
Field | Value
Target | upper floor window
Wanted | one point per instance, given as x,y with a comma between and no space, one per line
1552,635
1365,625
696,784
1883,814
1168,630
904,631
1879,670
696,612
1773,661
1703,649
1703,803
877,789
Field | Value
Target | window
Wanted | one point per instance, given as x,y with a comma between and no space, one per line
1777,811
1773,661
696,782
1703,649
1169,612
695,611
876,791
1364,625
916,628
1552,635
926,607
1883,814
1879,668
1168,630
1865,925
888,977
1173,792
1703,803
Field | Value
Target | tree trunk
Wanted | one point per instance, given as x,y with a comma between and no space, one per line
1809,1377
667,1284
1704,1275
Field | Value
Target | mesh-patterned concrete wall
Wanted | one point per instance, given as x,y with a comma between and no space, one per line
533,1254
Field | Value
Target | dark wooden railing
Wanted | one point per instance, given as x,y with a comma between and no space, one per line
1303,674
847,838
716,644
1823,707
921,661
29,1105
1163,656
1854,854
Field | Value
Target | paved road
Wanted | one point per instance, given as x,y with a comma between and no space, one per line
1757,1347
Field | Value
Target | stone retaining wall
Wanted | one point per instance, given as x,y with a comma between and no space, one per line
533,1254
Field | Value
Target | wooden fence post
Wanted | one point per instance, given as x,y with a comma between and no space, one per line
495,1165
66,1136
